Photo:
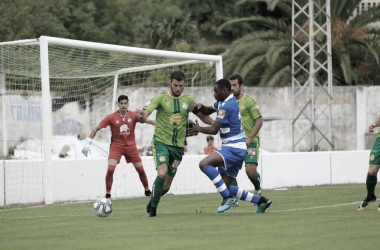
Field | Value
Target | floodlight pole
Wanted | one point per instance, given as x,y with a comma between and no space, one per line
311,76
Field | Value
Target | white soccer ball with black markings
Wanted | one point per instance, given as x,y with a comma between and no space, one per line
102,207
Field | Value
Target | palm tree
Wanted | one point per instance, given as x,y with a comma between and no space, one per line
263,57
169,26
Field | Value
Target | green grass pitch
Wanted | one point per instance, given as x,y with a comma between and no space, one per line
322,217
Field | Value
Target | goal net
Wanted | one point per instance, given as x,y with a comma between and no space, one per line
54,91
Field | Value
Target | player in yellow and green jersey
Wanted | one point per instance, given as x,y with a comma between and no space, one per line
251,121
374,166
173,108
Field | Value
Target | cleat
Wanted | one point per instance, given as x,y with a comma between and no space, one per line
148,207
148,193
236,204
152,213
366,202
263,204
226,204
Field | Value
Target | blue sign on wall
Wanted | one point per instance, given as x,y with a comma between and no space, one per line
69,126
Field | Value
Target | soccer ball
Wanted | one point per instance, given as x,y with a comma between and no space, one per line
102,207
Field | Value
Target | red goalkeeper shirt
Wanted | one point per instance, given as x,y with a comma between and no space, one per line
122,128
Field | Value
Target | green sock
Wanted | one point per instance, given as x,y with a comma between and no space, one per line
371,184
158,188
256,181
234,183
164,192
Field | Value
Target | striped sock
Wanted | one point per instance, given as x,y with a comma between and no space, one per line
215,177
243,195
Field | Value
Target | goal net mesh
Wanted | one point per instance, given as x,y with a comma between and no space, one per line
82,82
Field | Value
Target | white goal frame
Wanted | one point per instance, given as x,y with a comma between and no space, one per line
46,101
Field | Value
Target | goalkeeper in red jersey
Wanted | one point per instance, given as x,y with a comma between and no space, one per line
122,124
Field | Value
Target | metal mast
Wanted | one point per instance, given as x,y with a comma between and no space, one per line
311,75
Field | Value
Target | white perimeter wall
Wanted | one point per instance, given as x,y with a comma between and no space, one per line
77,180
353,109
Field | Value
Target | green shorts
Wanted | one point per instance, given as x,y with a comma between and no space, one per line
252,155
170,155
374,158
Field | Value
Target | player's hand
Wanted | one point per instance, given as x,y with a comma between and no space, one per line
87,147
195,107
371,127
140,114
195,127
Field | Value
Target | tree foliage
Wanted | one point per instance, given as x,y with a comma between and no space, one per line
263,57
256,33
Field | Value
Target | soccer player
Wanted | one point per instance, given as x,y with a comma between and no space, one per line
252,122
229,158
374,165
122,124
173,108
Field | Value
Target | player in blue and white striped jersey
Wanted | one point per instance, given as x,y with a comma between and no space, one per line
230,157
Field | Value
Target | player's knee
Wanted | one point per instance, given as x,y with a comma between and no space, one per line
110,171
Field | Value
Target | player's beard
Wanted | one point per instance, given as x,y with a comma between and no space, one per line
176,93
236,93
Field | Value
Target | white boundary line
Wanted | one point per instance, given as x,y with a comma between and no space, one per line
196,211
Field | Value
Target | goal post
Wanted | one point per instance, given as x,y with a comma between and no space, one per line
54,90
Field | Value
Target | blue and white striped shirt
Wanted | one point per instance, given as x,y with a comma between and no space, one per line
231,132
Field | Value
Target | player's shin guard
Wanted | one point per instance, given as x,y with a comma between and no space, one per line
243,195
157,190
256,181
215,177
144,180
371,182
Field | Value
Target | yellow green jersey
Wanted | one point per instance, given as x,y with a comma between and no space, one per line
249,111
171,118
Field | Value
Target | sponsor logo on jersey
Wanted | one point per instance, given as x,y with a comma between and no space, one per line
221,114
124,129
129,120
175,120
242,107
251,151
117,122
184,105
176,164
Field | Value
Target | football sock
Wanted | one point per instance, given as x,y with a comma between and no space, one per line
234,183
256,181
243,195
215,177
164,192
158,187
371,184
109,178
143,178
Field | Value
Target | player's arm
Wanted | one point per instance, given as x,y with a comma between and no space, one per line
205,118
374,124
142,114
212,130
256,128
87,146
197,108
